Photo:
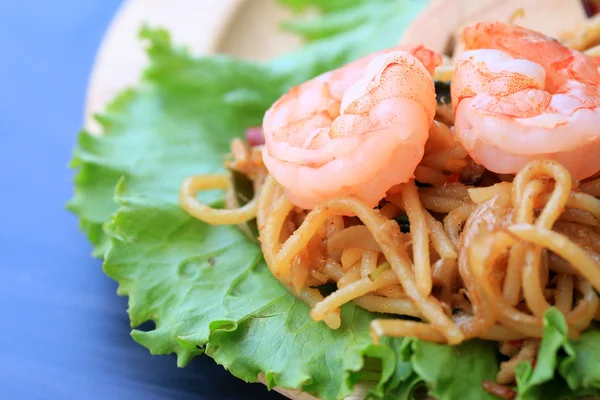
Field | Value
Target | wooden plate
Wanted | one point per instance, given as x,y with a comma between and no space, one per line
245,29
436,27
249,29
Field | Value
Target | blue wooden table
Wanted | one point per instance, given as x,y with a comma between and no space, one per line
64,333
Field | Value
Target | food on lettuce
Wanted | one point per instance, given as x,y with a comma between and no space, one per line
434,251
485,260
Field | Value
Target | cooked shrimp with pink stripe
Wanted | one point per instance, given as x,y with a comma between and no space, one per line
519,95
357,130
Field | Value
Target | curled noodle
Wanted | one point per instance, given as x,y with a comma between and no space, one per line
497,245
486,255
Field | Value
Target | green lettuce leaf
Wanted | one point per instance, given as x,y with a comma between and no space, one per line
349,30
219,98
444,372
323,6
456,372
206,288
581,368
382,21
530,380
95,182
411,388
577,362
403,372
404,381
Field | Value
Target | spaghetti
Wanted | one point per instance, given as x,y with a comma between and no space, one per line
486,256
480,261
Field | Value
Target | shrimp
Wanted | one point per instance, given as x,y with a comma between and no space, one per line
355,131
519,95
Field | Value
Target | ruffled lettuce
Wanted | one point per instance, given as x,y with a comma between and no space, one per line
207,289
564,368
